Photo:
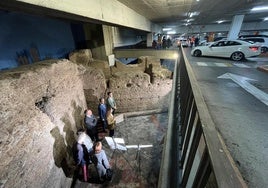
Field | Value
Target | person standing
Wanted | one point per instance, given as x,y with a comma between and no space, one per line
111,122
164,43
168,42
102,113
90,124
100,160
111,102
82,149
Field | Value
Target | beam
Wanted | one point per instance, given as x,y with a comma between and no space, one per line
109,12
135,53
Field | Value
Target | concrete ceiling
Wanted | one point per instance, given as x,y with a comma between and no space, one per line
172,13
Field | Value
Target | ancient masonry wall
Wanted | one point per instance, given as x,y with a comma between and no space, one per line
138,87
41,107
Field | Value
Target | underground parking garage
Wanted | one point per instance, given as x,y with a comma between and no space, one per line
48,79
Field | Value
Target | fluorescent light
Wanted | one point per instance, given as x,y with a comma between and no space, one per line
171,32
189,20
166,29
220,21
191,14
262,8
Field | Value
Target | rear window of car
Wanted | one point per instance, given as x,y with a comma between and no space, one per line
255,39
248,36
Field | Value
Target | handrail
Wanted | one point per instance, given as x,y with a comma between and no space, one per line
193,141
168,170
219,158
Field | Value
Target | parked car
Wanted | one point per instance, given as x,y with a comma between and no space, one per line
220,38
233,49
246,36
204,43
262,41
183,42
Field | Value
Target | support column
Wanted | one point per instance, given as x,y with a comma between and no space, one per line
108,39
235,27
149,39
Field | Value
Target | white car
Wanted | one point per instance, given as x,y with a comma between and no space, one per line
183,42
204,43
234,49
262,41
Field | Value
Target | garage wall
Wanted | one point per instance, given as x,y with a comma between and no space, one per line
24,38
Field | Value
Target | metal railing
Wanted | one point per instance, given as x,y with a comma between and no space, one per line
194,154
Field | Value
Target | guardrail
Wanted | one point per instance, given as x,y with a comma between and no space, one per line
194,154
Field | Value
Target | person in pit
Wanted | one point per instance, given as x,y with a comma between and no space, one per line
111,104
102,109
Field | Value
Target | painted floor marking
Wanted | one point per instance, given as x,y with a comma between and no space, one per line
212,64
241,65
222,65
243,82
202,64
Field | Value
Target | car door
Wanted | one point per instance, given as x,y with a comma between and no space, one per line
231,47
216,49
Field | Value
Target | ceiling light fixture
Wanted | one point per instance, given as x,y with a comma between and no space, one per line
191,14
262,8
189,20
220,21
171,32
166,29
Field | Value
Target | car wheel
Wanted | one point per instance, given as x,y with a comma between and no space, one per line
197,53
237,56
264,49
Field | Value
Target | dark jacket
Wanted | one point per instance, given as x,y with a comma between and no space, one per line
90,122
102,111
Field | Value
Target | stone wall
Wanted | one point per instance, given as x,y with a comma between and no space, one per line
42,105
41,108
142,86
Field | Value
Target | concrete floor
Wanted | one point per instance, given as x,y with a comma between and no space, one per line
129,169
239,116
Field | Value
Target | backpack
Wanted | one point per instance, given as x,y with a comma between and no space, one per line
109,174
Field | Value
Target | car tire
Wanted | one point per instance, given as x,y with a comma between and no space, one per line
237,56
197,53
264,49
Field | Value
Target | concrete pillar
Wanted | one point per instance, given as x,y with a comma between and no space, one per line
108,39
235,27
149,39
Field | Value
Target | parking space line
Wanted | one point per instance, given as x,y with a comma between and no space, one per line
212,64
241,65
223,64
202,64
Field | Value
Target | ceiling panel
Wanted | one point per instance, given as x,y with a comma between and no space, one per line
170,12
